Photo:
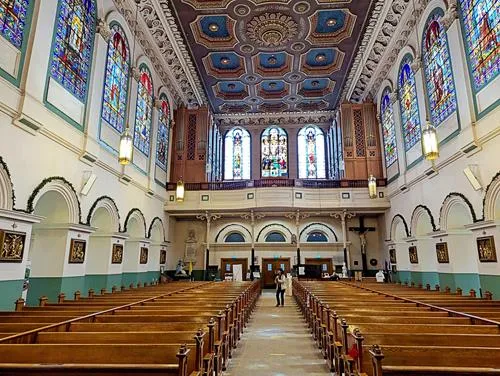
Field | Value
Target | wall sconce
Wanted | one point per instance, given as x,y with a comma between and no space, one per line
179,192
126,148
372,186
430,144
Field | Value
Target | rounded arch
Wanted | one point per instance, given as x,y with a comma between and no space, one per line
233,228
456,211
403,53
491,202
274,227
431,8
156,230
422,221
133,222
399,228
108,205
318,227
54,189
7,196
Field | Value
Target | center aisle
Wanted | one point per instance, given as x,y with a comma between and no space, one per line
276,342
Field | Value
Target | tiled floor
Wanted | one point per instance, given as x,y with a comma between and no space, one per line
276,343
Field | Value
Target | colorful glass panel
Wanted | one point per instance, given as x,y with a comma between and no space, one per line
237,154
311,147
72,47
481,20
13,20
438,73
143,111
163,134
116,80
388,129
274,153
408,104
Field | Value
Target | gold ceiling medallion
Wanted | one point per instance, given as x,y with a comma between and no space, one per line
272,29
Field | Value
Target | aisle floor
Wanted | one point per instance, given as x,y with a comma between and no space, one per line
277,343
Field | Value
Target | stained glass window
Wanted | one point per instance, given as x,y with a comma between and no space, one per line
437,69
481,20
72,47
274,152
311,150
237,154
116,79
163,134
13,20
388,129
408,103
143,111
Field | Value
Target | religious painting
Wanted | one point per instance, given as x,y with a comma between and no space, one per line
12,246
408,103
143,259
486,249
412,251
237,154
143,111
117,254
274,153
442,253
163,256
77,250
392,256
311,153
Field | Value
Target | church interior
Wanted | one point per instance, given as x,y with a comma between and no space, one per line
161,161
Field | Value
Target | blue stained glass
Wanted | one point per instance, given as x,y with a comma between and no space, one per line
388,129
143,111
438,73
13,20
72,47
408,102
311,149
163,134
274,153
116,80
237,154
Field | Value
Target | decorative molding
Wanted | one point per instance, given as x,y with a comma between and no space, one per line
419,209
111,204
4,170
492,193
451,14
403,220
320,118
135,73
448,201
150,229
103,29
129,215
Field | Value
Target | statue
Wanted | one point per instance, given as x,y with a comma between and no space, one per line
179,269
344,270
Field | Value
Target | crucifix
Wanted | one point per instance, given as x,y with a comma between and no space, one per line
361,230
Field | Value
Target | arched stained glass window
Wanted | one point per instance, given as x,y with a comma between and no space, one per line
143,111
275,237
237,154
311,149
72,46
274,152
317,236
13,20
408,102
163,133
235,237
116,78
437,69
388,128
481,19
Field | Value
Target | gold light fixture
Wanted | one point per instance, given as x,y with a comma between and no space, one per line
430,144
372,186
126,148
179,192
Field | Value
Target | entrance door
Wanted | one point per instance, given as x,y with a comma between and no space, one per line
269,268
325,263
226,266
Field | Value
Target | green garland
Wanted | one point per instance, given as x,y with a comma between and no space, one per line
404,222
433,224
151,227
4,165
466,200
487,189
94,205
129,214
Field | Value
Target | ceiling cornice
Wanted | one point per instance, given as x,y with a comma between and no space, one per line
271,118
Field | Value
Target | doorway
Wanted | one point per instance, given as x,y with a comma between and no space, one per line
269,267
226,266
325,263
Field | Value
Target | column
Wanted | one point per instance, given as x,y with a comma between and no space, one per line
343,216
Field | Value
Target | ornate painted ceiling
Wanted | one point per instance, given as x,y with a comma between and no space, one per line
272,56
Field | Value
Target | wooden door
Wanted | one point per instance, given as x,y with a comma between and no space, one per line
270,267
226,266
325,263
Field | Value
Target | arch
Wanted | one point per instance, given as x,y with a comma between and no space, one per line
491,201
108,204
132,223
311,152
156,230
64,189
274,152
456,211
397,225
422,221
234,227
237,154
7,195
234,237
275,227
318,227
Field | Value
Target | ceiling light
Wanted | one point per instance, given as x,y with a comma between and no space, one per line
213,27
320,58
331,22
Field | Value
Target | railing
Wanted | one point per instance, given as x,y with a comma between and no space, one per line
274,182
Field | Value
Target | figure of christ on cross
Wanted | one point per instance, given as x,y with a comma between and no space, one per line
361,230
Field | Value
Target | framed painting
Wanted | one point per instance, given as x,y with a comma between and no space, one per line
143,259
486,249
117,254
412,251
392,256
12,246
442,253
163,256
77,250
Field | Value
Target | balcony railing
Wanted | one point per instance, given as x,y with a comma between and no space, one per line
272,183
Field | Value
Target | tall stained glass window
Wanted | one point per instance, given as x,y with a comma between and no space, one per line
72,46
274,152
13,20
311,150
481,20
114,104
237,154
143,111
388,128
437,69
163,133
408,102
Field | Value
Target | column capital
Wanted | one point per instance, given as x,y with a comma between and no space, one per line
451,14
103,29
343,215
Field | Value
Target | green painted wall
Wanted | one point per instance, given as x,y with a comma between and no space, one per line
467,281
96,282
113,280
11,291
431,278
44,286
490,283
447,279
71,284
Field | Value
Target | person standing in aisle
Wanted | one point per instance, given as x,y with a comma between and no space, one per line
280,282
